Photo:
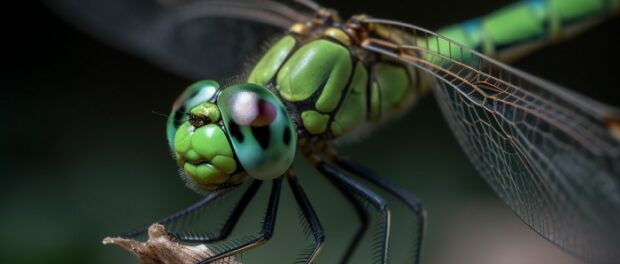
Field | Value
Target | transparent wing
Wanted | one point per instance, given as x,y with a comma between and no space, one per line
193,38
553,156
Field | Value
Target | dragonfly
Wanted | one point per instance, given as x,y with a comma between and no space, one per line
552,155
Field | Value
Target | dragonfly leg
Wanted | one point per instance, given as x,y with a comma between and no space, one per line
263,236
403,195
353,187
208,199
364,218
311,217
231,222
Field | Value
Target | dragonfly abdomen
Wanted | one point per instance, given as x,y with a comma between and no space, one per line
333,89
517,29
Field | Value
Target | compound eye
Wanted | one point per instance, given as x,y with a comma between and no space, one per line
192,98
266,114
247,108
259,128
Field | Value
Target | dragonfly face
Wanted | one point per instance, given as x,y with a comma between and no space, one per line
220,135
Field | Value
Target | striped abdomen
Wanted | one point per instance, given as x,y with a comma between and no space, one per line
517,29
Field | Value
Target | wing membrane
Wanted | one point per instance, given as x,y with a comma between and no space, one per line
549,153
193,38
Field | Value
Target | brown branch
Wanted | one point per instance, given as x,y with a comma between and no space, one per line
161,248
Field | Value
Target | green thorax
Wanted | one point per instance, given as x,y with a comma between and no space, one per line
330,90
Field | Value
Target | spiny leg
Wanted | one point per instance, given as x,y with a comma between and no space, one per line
230,223
266,230
364,218
208,199
411,201
311,217
353,187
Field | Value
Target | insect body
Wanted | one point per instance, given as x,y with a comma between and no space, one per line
326,79
329,88
551,155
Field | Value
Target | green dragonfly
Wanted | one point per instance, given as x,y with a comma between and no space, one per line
552,155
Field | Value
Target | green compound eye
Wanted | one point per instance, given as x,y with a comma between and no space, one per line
259,128
196,94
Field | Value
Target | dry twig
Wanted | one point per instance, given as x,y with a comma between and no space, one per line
161,248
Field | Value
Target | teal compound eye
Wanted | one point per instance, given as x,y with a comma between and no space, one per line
193,96
260,129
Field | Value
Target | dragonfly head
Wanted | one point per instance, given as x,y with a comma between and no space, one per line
220,135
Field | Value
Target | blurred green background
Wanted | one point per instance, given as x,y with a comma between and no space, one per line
84,156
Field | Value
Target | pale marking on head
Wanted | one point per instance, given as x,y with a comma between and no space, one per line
244,107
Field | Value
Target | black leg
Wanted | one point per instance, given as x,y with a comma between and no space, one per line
364,218
230,222
411,201
208,199
310,215
265,233
353,187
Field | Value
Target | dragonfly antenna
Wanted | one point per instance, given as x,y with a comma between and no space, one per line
158,113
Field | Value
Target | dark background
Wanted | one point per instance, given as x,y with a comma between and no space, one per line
84,156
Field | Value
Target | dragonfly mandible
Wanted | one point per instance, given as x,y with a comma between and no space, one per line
552,155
